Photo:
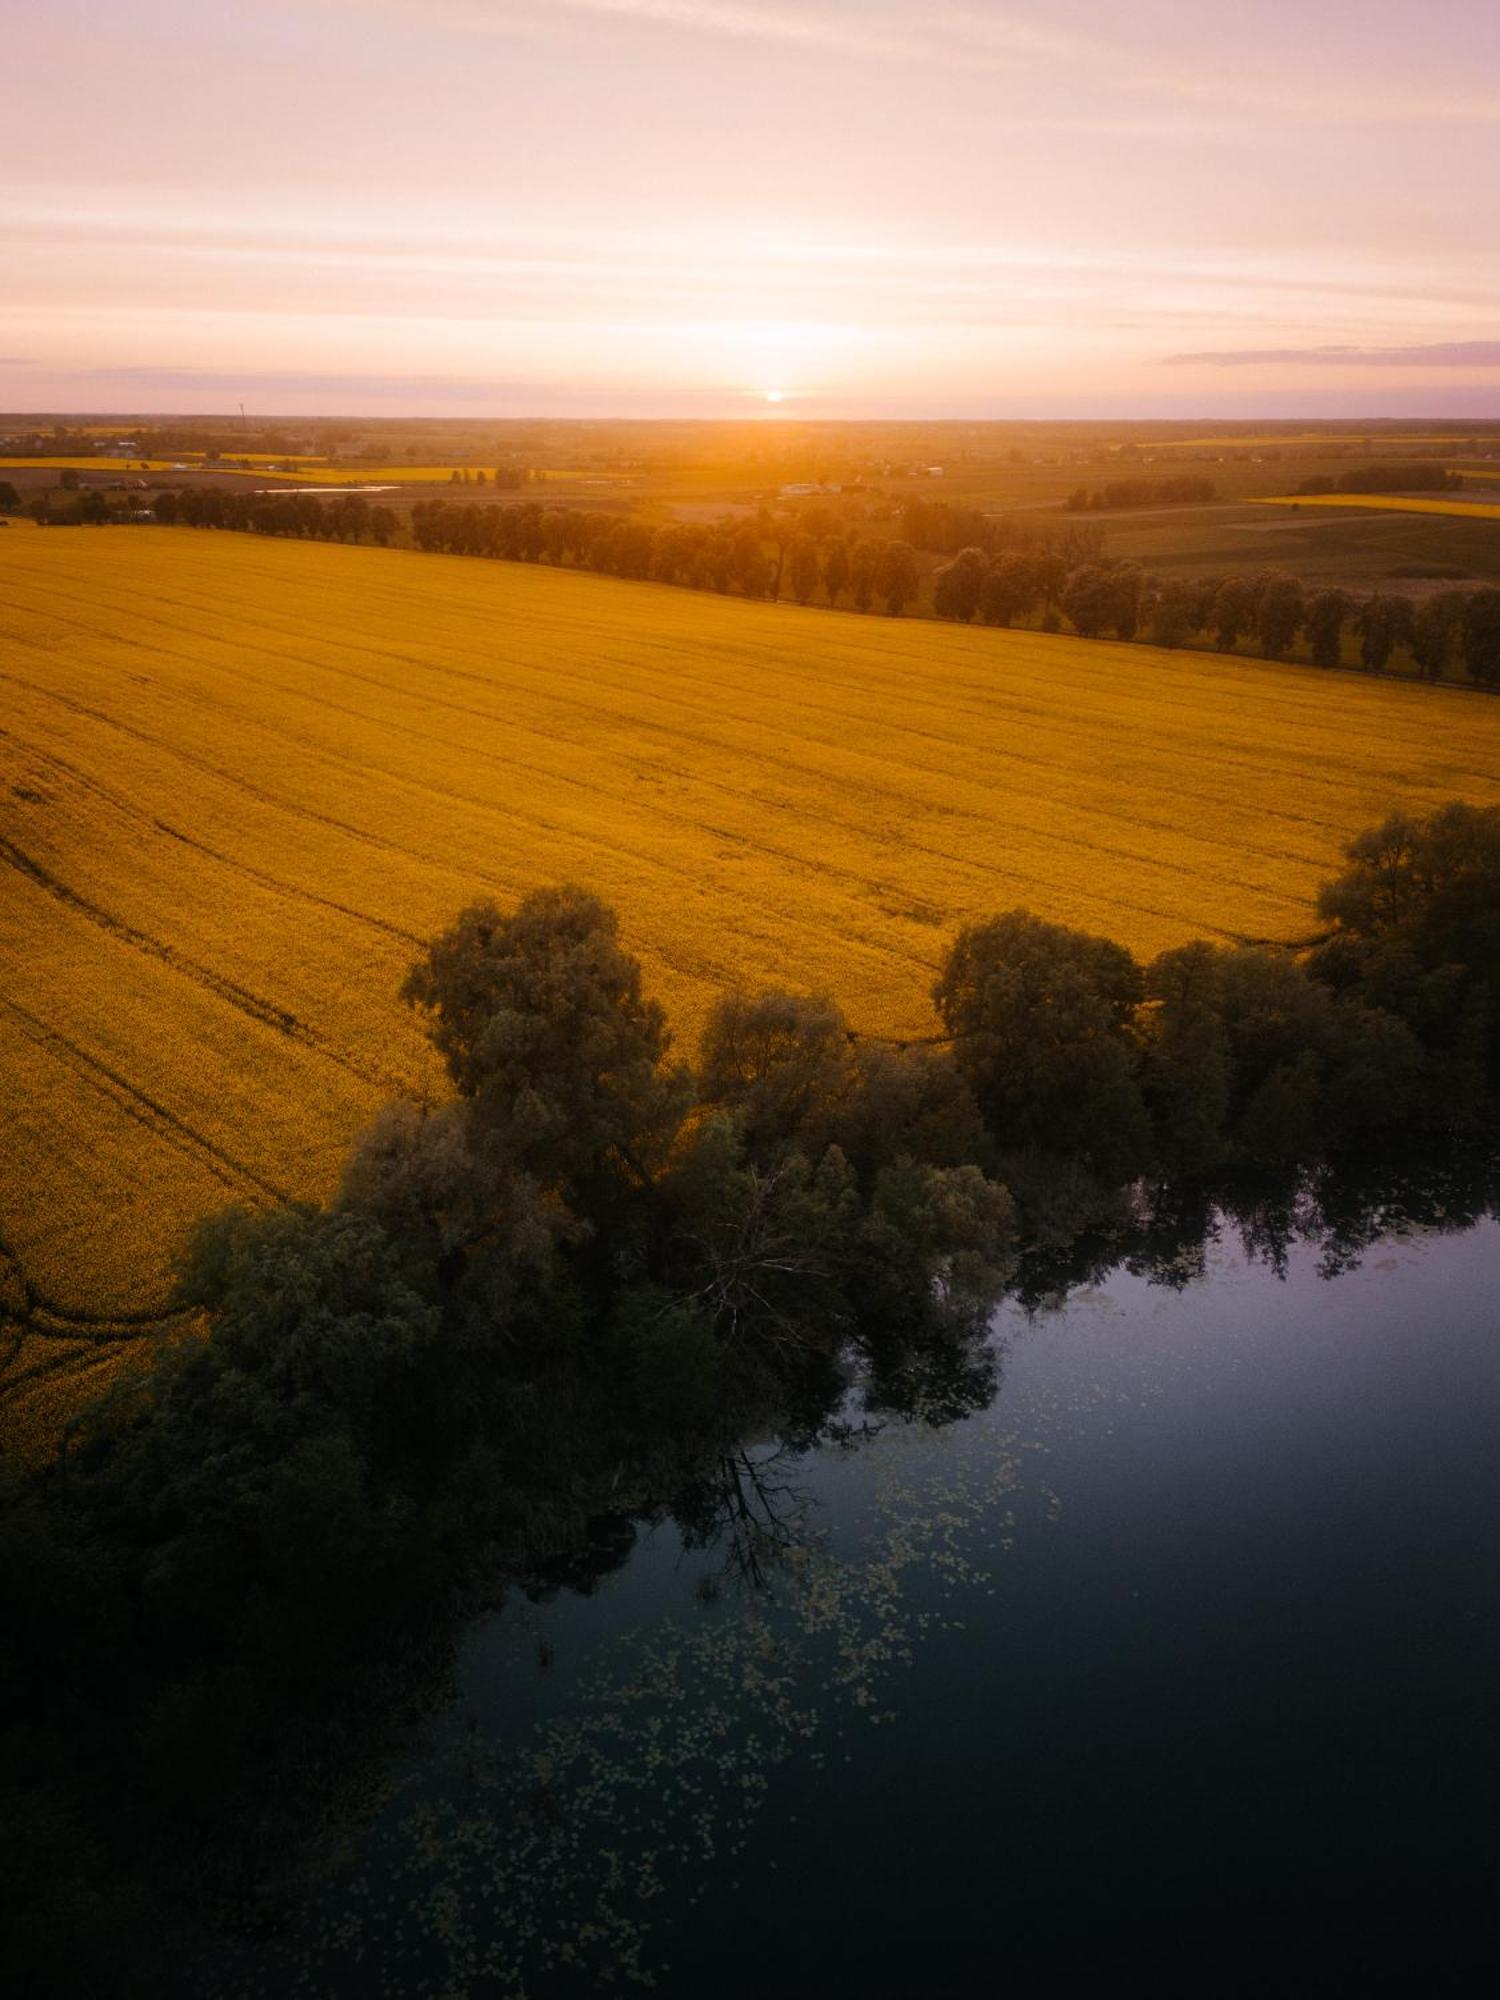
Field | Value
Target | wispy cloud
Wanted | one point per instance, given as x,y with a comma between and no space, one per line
948,35
941,33
1429,354
344,392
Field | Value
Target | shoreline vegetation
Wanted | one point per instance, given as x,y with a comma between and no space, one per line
996,571
566,1293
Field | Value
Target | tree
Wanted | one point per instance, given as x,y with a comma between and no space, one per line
864,561
1436,625
802,568
1009,590
541,1021
764,1248
1169,616
936,1247
10,499
1324,624
1233,612
1279,611
1239,1044
1187,1072
1041,1018
1088,600
1099,598
749,567
897,576
905,1103
836,571
1433,884
1480,637
956,586
1126,592
1383,623
780,1062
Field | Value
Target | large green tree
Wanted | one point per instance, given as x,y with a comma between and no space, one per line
1042,1023
541,1020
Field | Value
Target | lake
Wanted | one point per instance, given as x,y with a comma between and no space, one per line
1179,1659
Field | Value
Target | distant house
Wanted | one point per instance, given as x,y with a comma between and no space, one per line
934,472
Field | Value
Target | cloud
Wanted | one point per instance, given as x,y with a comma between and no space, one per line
1009,40
304,382
945,32
1432,354
349,393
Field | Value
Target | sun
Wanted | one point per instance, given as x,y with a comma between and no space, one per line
776,395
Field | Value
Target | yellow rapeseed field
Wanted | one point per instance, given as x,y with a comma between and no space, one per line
242,779
1478,510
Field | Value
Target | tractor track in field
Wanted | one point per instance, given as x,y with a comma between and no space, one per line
279,1019
60,1364
466,873
136,1103
127,806
28,1312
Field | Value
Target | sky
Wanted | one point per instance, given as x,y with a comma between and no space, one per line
828,208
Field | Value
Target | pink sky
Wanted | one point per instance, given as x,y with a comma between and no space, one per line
678,207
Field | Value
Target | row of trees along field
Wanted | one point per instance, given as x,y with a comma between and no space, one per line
1422,476
1025,577
572,1288
1182,491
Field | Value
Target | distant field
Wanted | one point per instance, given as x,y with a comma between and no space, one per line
246,463
242,779
412,475
1357,549
1470,510
1345,440
94,462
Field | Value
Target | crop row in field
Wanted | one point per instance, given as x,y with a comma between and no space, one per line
242,779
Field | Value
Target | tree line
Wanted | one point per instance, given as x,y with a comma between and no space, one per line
1180,491
943,528
1270,612
1421,476
565,1292
347,517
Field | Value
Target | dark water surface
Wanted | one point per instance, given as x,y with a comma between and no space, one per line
1180,1659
